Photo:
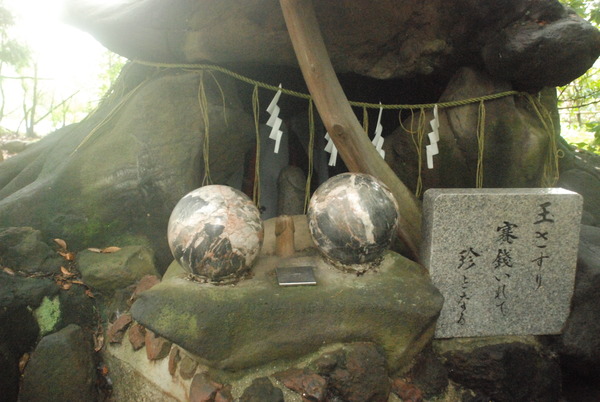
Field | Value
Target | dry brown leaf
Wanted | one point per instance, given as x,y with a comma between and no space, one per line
98,341
89,293
66,272
78,282
67,256
67,286
23,362
9,271
111,249
61,243
94,250
103,369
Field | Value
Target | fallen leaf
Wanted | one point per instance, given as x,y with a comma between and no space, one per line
98,342
78,282
66,286
23,362
103,369
66,272
89,293
112,249
67,256
94,250
9,271
61,243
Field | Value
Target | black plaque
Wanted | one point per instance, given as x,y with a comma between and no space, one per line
296,276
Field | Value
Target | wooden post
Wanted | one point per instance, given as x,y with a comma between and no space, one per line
347,134
284,236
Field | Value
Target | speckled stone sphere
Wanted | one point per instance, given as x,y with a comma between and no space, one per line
352,218
215,231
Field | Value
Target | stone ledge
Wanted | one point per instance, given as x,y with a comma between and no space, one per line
235,327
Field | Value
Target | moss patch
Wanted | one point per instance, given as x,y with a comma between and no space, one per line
48,315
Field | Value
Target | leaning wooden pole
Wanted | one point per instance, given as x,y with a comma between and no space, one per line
347,134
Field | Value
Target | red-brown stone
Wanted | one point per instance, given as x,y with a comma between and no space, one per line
406,391
157,347
144,284
174,359
187,367
304,382
116,331
137,336
203,389
224,395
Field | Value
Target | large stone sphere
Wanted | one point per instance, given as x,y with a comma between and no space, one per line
352,218
215,231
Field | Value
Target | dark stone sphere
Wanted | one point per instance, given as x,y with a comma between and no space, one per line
352,218
215,231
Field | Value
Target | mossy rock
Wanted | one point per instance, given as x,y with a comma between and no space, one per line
256,321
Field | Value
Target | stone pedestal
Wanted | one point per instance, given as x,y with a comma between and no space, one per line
257,321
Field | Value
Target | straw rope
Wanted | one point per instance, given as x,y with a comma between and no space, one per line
550,169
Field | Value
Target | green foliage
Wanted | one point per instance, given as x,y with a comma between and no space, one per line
588,9
112,65
579,101
12,51
578,5
13,54
594,144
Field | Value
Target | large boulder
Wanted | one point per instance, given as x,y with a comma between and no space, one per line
587,183
503,369
355,373
23,249
19,329
519,40
515,141
114,178
108,272
580,344
31,302
61,368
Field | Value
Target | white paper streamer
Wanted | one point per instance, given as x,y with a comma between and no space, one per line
330,147
434,137
274,121
378,139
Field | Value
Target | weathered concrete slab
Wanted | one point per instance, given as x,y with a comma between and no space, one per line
504,259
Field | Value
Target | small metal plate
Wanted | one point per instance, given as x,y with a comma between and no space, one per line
296,276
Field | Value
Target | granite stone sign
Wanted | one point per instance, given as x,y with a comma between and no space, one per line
504,259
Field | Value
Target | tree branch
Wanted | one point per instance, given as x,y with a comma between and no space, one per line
347,134
23,77
578,106
53,108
